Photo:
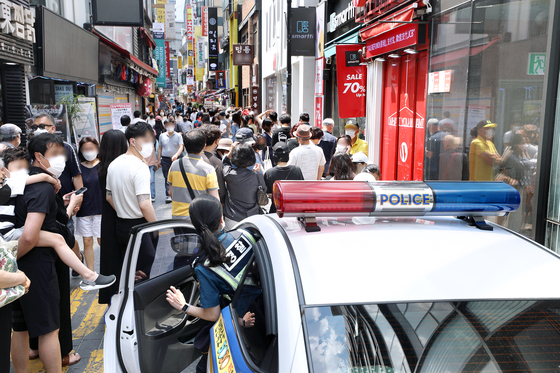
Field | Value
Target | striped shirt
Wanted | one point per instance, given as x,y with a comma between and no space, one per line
7,210
202,178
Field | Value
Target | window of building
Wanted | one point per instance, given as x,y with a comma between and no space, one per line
255,39
487,63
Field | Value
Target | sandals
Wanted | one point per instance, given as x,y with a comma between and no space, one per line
66,359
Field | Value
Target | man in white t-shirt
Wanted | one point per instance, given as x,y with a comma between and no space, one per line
128,191
308,156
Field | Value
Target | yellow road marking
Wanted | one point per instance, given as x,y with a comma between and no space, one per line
76,298
90,322
95,364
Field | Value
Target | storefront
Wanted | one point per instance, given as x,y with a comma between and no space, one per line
16,52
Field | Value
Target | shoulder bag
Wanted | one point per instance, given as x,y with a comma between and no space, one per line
262,197
8,263
267,162
191,192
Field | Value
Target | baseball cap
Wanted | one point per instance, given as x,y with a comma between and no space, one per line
485,124
245,136
222,113
303,132
351,124
280,150
225,144
158,117
360,157
8,130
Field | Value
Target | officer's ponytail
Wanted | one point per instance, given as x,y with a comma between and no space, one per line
206,215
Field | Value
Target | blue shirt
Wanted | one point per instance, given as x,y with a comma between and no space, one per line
328,144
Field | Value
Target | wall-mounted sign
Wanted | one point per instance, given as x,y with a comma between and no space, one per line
167,61
190,25
338,19
62,90
351,81
17,21
159,30
204,21
200,44
439,81
302,31
320,30
119,110
242,54
395,39
535,65
159,53
255,75
220,79
170,21
255,99
212,39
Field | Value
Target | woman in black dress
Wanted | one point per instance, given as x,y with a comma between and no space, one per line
113,144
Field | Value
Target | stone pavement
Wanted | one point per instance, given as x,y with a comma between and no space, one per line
87,315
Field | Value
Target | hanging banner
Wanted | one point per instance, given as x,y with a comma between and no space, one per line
119,110
318,111
180,62
189,23
160,14
212,39
351,81
159,30
200,46
319,64
398,38
204,21
170,21
220,79
320,30
199,74
167,61
159,53
302,31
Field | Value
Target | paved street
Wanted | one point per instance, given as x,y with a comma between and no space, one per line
87,315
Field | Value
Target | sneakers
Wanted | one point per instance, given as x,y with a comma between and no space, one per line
99,283
153,200
167,199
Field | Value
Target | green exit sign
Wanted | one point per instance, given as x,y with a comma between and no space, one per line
536,63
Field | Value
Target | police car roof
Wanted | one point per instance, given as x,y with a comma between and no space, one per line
368,260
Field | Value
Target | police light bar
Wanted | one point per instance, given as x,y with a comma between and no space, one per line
390,198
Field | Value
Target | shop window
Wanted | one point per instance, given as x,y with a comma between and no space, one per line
487,63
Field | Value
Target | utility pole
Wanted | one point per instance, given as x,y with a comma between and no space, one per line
289,59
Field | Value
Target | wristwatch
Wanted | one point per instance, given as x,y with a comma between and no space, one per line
185,307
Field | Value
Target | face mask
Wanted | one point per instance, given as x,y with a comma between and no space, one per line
57,165
90,156
147,149
490,133
170,129
261,146
516,128
350,133
17,174
340,148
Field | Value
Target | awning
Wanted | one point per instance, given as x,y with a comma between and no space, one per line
139,66
378,28
350,39
447,59
151,42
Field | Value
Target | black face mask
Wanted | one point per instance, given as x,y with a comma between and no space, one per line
5,194
261,146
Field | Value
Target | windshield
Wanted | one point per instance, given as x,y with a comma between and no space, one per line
446,337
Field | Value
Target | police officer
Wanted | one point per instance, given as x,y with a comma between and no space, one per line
219,270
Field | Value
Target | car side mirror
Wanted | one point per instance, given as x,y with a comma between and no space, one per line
186,244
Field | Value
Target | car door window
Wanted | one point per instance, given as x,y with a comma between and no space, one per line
258,346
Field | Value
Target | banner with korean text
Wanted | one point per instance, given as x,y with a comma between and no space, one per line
351,77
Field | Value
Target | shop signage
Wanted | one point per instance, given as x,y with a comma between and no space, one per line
395,39
319,64
320,30
204,21
159,30
338,19
170,21
167,60
119,110
190,72
190,25
439,81
17,21
159,54
318,111
212,39
220,79
255,99
85,124
62,90
351,81
242,54
200,41
190,80
302,32
536,64
58,112
255,75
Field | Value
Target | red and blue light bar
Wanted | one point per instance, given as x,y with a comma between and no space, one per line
394,198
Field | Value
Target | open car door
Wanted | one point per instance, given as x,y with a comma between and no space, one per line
144,333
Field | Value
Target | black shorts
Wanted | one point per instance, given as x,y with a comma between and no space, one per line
38,311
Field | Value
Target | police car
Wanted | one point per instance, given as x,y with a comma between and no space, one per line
355,277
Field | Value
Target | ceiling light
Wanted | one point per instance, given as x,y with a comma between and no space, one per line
381,59
394,55
411,50
10,63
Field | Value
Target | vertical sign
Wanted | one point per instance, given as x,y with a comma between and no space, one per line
200,44
407,116
220,79
320,31
212,39
167,61
351,81
159,30
160,59
170,21
302,32
204,22
190,26
318,111
319,67
255,99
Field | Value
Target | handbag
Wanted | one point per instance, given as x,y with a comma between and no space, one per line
267,162
262,197
8,263
191,192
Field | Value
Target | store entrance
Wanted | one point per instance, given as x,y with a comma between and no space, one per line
403,119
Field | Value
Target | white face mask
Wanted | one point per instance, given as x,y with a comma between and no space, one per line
490,134
350,133
90,156
340,148
58,163
170,129
18,174
147,149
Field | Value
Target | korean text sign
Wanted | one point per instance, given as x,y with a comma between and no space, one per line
351,81
212,39
117,111
397,38
242,54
